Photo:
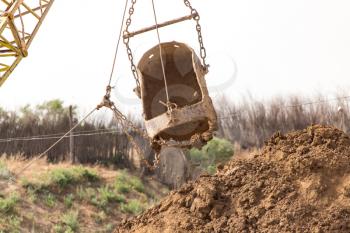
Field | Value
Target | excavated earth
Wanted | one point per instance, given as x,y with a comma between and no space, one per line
299,182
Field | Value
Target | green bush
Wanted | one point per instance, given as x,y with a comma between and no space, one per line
71,221
122,187
137,184
68,200
105,195
65,176
132,207
7,205
124,183
62,177
50,200
216,151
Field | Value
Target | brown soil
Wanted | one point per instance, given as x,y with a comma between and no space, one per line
299,182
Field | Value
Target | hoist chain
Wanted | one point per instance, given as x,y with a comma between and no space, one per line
126,125
203,51
126,39
134,143
127,44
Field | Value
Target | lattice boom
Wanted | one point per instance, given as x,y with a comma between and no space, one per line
20,20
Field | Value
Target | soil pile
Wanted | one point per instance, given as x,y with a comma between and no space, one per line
299,182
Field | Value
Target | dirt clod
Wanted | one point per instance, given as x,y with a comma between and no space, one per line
299,182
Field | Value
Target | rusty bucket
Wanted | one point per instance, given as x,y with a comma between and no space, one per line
192,120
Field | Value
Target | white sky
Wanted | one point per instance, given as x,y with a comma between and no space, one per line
277,46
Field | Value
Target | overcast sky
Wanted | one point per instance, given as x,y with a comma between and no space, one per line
267,48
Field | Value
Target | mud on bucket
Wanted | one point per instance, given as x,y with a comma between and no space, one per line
193,120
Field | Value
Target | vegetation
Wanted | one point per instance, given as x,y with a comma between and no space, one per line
4,171
216,151
7,205
61,178
68,200
124,183
49,200
105,195
249,123
71,221
52,118
60,198
132,207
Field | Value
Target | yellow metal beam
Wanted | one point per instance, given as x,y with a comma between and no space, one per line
20,21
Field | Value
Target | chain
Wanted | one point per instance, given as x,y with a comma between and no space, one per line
126,124
127,44
203,51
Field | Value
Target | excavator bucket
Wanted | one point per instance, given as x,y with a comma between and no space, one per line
192,120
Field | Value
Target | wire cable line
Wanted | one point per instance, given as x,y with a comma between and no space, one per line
346,98
16,174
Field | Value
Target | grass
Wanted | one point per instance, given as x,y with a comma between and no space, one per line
61,178
32,195
9,221
71,220
68,200
50,200
4,171
132,207
10,224
66,176
100,217
69,223
137,184
124,183
105,195
7,205
62,198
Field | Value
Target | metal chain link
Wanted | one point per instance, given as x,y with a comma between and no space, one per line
203,51
126,124
127,44
134,143
119,115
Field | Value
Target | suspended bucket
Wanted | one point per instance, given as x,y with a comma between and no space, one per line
192,117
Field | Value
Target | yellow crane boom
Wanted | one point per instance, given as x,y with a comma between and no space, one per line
20,20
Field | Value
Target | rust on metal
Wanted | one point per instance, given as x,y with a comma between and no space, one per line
193,117
167,23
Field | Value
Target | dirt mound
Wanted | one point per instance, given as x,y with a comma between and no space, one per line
299,182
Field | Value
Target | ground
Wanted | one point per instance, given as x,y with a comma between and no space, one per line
65,198
298,182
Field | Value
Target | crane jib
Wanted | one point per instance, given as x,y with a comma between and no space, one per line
20,21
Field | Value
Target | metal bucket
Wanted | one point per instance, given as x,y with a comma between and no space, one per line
193,116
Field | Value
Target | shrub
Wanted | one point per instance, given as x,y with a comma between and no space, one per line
216,151
50,200
68,200
7,205
61,178
125,182
122,187
132,207
71,221
137,184
32,195
105,196
87,174
65,176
